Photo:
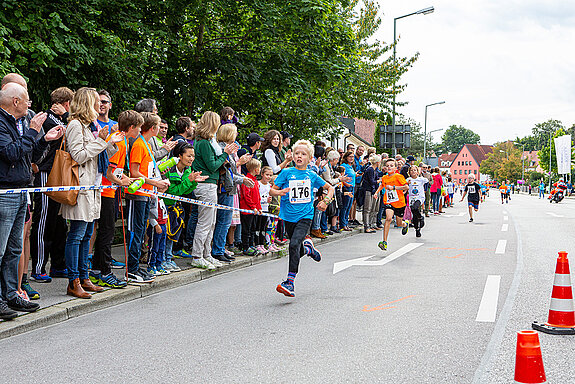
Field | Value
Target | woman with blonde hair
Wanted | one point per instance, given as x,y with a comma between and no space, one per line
209,158
84,148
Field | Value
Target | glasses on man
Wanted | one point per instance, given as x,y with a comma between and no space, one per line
105,102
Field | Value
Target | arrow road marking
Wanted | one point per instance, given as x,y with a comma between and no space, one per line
554,214
340,266
501,244
384,306
504,227
488,307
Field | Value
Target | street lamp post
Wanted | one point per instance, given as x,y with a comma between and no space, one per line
424,11
425,128
425,138
522,162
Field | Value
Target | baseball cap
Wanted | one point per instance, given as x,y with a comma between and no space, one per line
254,138
410,158
286,135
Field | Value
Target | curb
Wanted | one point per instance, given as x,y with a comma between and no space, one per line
58,313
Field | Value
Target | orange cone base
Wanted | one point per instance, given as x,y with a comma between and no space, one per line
546,328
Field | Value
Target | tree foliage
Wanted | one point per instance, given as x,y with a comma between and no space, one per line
292,65
504,163
455,137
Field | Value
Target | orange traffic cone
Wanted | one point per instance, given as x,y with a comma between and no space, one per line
528,359
561,312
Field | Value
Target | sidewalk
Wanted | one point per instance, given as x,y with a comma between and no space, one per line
56,306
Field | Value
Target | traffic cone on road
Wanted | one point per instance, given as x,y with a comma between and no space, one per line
528,359
561,312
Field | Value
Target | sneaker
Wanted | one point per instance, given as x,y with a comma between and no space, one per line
250,252
23,295
311,250
19,304
261,249
273,248
202,263
153,271
161,271
228,253
116,264
173,266
6,313
43,278
94,277
334,230
213,261
32,293
382,245
140,276
58,272
286,288
405,229
110,280
417,233
181,254
471,220
222,258
281,242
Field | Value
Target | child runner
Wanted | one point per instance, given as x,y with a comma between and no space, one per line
262,221
416,197
483,192
393,200
503,191
296,185
472,191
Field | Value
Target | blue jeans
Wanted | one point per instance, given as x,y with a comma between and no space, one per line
541,194
323,223
138,212
238,235
191,226
77,247
158,248
435,200
223,223
316,219
344,211
12,216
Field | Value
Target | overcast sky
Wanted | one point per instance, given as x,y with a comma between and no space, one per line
501,66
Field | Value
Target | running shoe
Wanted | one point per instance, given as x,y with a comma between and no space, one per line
173,266
140,276
110,280
58,272
202,263
162,271
250,252
417,233
32,293
41,278
181,254
228,253
7,313
273,248
19,304
116,264
213,261
286,288
471,220
311,251
94,277
261,249
153,271
405,229
382,245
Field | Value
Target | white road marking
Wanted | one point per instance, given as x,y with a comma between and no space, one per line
504,227
488,307
504,212
505,218
554,214
458,215
501,244
340,266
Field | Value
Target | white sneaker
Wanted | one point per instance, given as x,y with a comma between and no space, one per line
213,261
202,263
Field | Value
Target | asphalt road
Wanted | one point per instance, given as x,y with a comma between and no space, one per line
414,317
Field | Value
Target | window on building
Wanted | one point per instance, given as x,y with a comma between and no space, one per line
466,171
475,171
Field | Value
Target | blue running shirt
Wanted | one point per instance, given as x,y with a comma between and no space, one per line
298,203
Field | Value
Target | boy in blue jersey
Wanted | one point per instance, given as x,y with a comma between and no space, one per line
296,186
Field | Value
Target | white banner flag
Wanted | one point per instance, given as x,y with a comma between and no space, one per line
563,152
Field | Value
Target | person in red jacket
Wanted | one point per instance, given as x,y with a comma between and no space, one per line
250,199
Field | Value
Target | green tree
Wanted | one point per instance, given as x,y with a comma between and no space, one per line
542,132
455,137
504,163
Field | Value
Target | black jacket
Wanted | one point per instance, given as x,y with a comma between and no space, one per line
45,159
16,151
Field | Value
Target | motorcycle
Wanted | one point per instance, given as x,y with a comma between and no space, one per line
556,196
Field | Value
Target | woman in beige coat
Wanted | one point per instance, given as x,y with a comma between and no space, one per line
84,149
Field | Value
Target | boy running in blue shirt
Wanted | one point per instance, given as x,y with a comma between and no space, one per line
296,186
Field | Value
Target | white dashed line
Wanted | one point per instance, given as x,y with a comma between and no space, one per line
504,227
554,214
505,218
488,307
501,244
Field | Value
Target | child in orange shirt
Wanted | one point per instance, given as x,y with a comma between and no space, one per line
393,199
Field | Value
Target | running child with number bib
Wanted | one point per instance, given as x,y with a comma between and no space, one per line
472,190
296,187
393,200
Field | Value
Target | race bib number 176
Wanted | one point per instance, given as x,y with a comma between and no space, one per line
300,191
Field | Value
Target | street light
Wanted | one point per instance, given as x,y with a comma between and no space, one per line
424,11
425,137
522,161
425,127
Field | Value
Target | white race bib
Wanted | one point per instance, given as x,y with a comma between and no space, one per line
153,173
392,196
471,189
118,173
300,191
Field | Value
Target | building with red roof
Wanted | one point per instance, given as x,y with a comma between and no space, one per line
468,161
